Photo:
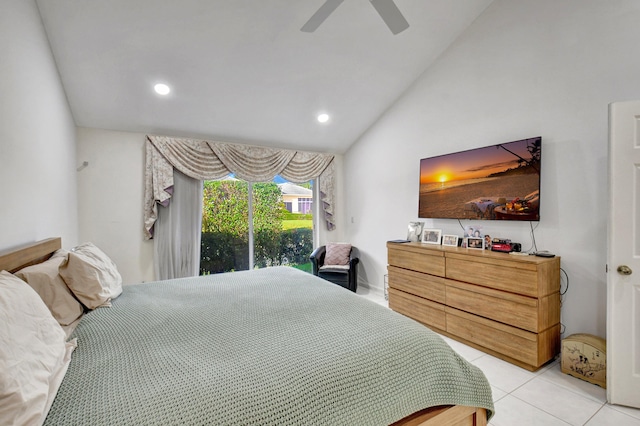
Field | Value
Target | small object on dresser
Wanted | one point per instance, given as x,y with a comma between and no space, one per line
502,247
545,254
585,356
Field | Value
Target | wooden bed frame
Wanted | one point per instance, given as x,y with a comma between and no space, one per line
450,415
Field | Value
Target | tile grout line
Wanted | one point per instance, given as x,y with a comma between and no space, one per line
545,411
594,414
584,395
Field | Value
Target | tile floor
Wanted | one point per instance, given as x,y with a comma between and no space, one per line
546,397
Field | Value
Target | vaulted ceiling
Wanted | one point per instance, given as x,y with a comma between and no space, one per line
241,70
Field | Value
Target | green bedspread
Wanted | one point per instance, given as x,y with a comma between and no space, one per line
269,347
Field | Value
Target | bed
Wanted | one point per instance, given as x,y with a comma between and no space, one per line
272,346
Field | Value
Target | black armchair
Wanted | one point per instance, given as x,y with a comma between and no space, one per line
346,276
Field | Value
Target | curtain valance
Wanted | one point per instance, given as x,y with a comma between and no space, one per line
208,160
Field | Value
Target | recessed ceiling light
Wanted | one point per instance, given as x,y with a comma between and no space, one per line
162,89
323,118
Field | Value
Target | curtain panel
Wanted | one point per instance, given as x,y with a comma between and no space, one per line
208,160
176,240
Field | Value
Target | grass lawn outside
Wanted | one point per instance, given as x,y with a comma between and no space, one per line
294,224
306,267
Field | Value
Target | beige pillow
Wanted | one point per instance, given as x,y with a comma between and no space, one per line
33,354
91,275
337,254
47,282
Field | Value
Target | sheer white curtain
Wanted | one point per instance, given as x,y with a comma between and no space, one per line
176,241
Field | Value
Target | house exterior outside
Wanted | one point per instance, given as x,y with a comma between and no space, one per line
296,198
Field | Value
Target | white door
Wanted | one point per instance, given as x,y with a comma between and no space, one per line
623,262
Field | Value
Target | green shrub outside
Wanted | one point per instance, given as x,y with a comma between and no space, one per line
224,252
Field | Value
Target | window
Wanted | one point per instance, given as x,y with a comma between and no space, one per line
267,229
304,205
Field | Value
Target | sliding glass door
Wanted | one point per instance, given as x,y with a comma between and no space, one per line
254,225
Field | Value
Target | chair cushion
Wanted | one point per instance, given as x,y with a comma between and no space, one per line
333,269
336,267
337,254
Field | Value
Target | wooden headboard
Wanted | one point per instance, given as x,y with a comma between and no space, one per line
15,259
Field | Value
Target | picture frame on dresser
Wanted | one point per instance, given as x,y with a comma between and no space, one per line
475,243
450,240
414,231
431,236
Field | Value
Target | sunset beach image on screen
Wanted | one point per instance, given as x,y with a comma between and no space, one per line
497,182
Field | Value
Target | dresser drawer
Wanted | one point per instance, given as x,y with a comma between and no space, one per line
531,349
416,259
519,344
521,280
512,309
423,285
425,311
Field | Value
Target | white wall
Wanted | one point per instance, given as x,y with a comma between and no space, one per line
110,195
523,68
37,135
111,191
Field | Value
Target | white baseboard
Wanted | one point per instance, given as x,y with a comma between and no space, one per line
373,293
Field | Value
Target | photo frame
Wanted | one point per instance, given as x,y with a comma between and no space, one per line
414,232
473,231
487,242
431,236
475,243
450,240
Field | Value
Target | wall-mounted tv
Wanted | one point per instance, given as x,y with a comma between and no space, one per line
498,182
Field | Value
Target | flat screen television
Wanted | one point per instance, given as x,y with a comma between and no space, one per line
497,182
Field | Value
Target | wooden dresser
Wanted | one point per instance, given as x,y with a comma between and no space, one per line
505,305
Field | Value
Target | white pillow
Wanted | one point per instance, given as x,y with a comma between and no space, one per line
91,275
33,354
45,279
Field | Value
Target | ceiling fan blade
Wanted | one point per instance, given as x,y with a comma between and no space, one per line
319,17
391,15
